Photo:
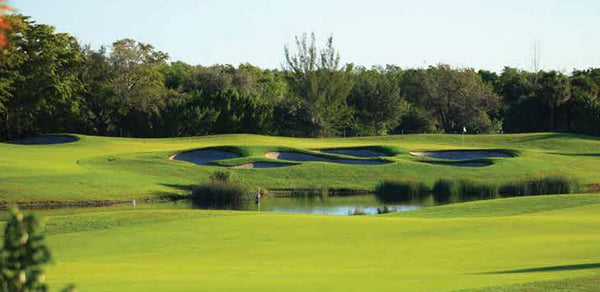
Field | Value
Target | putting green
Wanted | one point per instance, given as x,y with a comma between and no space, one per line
438,249
103,168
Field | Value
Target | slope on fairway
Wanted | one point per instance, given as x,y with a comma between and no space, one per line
187,250
104,168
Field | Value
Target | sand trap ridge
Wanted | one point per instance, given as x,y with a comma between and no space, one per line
262,165
459,164
203,156
46,140
461,154
304,157
354,152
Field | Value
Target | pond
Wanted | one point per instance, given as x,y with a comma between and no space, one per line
334,205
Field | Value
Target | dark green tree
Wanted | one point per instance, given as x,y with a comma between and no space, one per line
138,85
24,254
318,79
376,100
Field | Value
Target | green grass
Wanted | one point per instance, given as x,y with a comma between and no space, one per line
101,168
514,244
160,248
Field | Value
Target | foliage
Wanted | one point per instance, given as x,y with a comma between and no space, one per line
317,78
221,176
543,186
221,193
49,83
23,254
401,191
376,99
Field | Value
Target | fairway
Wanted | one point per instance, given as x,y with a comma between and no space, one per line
512,244
102,168
186,250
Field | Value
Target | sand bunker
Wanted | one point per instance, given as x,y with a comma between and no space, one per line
203,156
460,164
354,152
304,157
461,154
262,165
46,140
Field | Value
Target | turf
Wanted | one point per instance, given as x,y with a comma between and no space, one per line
103,168
160,248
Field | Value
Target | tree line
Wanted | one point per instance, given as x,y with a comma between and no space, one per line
49,82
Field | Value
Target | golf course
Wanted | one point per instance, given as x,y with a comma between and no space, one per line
533,243
93,168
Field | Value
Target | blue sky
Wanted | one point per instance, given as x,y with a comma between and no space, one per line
463,33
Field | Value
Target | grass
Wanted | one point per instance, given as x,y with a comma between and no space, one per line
513,244
101,168
510,243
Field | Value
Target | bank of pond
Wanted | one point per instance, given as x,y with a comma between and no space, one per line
388,196
224,193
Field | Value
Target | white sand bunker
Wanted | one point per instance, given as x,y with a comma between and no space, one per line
304,157
358,152
461,154
46,140
203,156
262,165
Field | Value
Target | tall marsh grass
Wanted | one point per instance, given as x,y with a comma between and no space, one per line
401,191
460,190
221,193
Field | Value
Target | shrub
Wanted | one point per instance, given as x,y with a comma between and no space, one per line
221,176
221,196
544,186
23,254
470,190
445,191
400,191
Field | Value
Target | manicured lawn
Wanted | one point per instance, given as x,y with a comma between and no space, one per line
509,242
101,168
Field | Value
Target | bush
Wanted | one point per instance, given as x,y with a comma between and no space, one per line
544,186
221,176
470,190
400,191
445,191
221,196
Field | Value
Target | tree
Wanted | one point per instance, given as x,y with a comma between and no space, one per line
317,78
458,98
138,85
376,99
100,107
553,90
41,66
4,25
23,254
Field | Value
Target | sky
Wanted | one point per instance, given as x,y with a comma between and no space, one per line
418,33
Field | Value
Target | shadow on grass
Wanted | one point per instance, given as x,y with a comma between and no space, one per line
549,269
180,192
545,136
178,186
578,154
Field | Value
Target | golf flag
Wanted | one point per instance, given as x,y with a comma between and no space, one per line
464,129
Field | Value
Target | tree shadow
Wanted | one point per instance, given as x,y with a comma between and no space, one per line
179,187
176,195
550,269
577,154
551,135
